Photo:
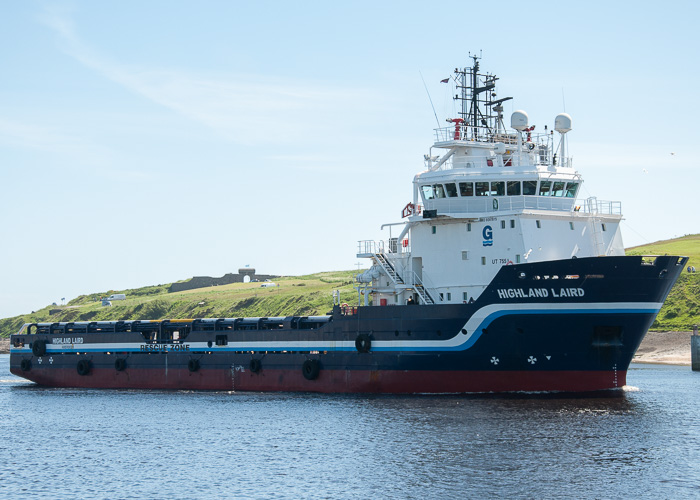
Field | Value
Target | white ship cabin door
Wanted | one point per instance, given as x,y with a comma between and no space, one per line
417,266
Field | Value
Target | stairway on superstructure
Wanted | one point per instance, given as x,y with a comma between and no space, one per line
381,259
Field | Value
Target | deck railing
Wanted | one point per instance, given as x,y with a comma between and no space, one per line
493,204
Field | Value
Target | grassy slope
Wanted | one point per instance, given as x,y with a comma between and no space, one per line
682,308
303,295
311,295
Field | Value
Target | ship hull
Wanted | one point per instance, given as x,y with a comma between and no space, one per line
567,326
339,381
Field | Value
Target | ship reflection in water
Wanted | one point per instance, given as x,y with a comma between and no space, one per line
635,443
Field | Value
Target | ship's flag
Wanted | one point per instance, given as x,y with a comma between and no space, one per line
445,80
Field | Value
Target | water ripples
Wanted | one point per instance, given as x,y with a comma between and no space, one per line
159,444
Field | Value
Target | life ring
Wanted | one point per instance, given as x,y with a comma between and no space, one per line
39,348
363,343
193,365
311,369
84,367
25,365
255,365
509,263
120,364
345,307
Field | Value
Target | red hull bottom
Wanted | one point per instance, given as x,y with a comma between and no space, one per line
333,381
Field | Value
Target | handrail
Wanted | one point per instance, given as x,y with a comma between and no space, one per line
371,247
482,204
429,285
427,290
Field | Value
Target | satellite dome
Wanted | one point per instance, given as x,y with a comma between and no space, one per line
519,120
562,123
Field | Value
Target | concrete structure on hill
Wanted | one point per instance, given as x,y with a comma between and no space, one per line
206,281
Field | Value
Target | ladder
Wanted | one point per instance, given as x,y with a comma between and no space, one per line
389,270
423,294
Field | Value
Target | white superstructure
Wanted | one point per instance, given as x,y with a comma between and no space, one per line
489,197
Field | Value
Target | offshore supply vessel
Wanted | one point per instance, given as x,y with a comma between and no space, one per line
499,278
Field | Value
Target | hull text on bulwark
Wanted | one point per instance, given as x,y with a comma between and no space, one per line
522,293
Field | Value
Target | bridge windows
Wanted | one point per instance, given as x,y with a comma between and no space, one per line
466,189
529,188
558,189
571,188
498,189
513,188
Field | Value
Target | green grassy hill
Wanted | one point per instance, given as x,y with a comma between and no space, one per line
301,295
312,295
682,307
687,245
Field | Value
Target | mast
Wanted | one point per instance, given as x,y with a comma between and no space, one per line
478,108
475,98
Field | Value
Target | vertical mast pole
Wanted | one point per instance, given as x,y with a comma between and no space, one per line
475,99
562,160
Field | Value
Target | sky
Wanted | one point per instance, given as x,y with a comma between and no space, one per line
148,142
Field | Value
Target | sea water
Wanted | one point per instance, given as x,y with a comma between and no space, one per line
643,442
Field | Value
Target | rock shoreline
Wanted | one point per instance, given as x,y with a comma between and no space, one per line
670,348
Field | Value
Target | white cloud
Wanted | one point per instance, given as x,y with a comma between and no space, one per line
52,139
244,109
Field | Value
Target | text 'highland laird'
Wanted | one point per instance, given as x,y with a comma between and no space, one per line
512,293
